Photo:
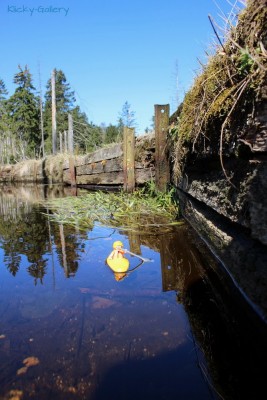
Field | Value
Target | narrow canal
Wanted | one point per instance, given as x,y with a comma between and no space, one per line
71,329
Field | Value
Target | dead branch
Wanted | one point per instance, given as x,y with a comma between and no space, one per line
214,30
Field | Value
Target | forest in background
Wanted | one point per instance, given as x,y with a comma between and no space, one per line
26,120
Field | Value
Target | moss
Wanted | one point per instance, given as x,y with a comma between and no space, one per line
230,81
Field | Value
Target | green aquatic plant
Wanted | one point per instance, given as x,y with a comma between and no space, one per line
145,210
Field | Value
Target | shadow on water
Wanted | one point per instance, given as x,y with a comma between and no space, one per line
173,332
167,376
230,334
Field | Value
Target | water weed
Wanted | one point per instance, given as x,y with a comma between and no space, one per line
142,211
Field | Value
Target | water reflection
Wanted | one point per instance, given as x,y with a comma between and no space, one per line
158,333
25,230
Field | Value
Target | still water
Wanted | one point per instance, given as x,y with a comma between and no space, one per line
70,330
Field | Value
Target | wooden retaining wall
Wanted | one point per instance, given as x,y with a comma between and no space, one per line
105,166
131,163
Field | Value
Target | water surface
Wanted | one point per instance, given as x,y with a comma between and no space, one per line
70,330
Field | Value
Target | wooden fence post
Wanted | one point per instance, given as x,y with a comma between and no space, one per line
72,170
70,133
71,156
128,159
161,153
65,142
60,142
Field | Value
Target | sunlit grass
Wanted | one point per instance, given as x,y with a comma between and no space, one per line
143,211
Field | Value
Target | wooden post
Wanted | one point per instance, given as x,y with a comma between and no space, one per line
71,157
128,159
70,133
65,142
161,153
72,170
60,142
54,118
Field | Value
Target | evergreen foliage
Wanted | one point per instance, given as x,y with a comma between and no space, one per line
127,116
21,127
23,114
3,121
3,95
3,91
112,134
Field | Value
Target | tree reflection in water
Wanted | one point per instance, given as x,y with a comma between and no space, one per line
25,230
93,323
38,271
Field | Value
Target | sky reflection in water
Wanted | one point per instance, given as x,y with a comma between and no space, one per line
60,305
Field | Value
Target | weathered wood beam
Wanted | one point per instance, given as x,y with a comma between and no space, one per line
114,165
128,159
161,155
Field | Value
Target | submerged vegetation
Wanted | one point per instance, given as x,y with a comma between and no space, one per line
214,114
143,211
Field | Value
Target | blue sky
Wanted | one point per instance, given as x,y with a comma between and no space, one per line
111,51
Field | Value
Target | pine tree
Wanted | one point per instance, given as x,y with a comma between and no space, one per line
3,122
23,114
3,91
120,129
3,95
127,116
65,100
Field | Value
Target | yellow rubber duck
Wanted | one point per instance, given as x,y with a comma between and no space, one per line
116,260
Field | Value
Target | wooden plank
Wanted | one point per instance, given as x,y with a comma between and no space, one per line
105,188
141,177
162,161
100,167
106,153
112,178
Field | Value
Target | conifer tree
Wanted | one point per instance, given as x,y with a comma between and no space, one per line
3,95
3,122
127,116
120,129
23,114
3,91
112,134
